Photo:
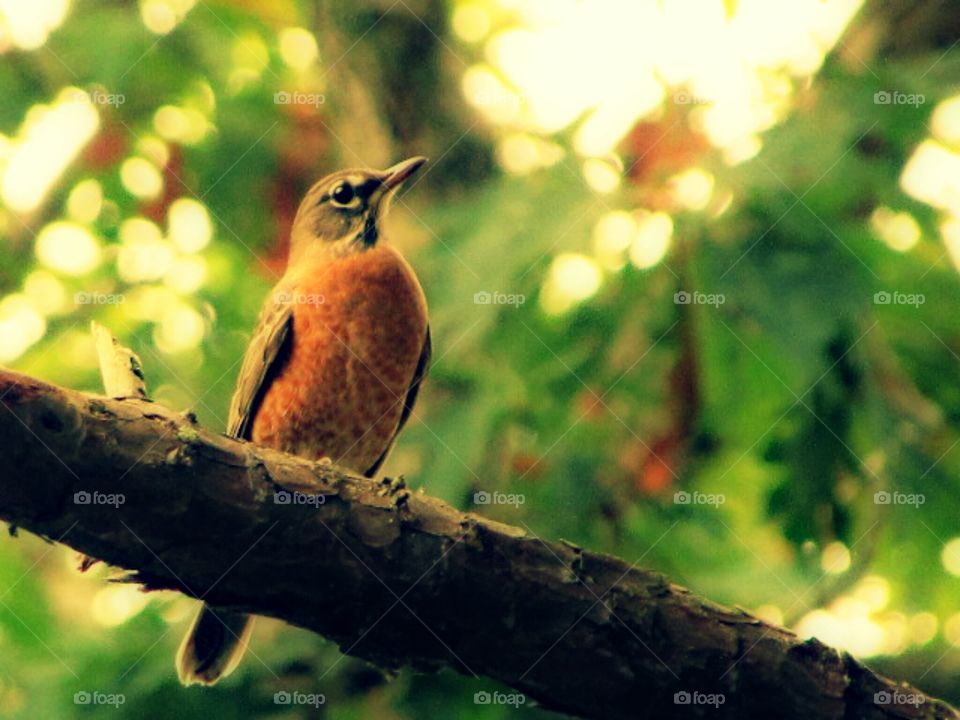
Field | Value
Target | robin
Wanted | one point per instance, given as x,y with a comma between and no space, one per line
334,365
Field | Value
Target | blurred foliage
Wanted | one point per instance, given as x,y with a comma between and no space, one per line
597,399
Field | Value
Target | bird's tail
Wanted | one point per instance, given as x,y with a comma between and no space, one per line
213,646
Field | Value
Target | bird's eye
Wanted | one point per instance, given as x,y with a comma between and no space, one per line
343,193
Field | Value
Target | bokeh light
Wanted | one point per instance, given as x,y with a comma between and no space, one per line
68,248
141,178
85,201
180,328
899,230
945,121
572,278
115,604
48,141
835,559
189,225
859,622
652,240
28,24
21,325
162,16
181,125
298,48
950,556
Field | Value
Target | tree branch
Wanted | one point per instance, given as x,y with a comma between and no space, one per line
401,578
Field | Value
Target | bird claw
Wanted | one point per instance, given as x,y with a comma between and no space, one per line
87,562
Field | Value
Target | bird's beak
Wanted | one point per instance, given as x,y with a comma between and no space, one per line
390,181
394,176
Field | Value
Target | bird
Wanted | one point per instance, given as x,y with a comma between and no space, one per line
334,364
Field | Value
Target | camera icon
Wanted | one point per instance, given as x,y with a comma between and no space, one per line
282,98
81,298
681,497
481,698
482,497
681,98
82,498
282,698
882,298
881,497
682,298
77,95
882,97
82,697
882,698
681,698
282,497
482,298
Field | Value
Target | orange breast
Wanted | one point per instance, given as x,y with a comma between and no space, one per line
359,324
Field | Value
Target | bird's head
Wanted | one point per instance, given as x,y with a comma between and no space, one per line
341,213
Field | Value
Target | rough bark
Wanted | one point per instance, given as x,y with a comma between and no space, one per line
399,577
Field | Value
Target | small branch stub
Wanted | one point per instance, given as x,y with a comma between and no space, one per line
120,368
122,375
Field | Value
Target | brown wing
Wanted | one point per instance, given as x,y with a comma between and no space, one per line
422,365
268,350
